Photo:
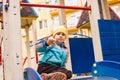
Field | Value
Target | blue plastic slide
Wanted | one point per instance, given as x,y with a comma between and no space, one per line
31,74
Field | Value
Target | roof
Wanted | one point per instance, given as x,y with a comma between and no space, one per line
84,18
27,14
28,11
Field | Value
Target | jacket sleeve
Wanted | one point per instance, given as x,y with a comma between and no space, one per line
41,47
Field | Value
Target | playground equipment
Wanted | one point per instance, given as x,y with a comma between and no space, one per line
12,42
100,71
31,74
106,68
82,49
97,78
110,40
82,55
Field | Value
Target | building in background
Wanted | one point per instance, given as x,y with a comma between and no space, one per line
49,18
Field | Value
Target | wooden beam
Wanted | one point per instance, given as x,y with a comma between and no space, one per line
12,51
94,16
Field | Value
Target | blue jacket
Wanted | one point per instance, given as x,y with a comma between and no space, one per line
53,55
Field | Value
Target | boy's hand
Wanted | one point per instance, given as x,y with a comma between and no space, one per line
51,41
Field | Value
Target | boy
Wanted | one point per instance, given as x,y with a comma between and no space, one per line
52,64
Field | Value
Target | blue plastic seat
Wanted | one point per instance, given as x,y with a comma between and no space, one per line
31,74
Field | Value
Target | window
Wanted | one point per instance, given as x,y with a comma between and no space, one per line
41,9
53,1
43,24
47,1
74,19
71,2
55,22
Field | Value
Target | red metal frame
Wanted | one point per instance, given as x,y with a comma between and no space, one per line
24,60
55,6
36,57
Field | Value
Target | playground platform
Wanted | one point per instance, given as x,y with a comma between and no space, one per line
96,78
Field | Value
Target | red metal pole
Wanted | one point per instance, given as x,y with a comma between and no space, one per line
25,60
36,57
55,6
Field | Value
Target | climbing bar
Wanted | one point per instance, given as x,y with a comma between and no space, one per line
55,6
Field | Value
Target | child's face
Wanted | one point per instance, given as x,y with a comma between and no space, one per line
60,37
